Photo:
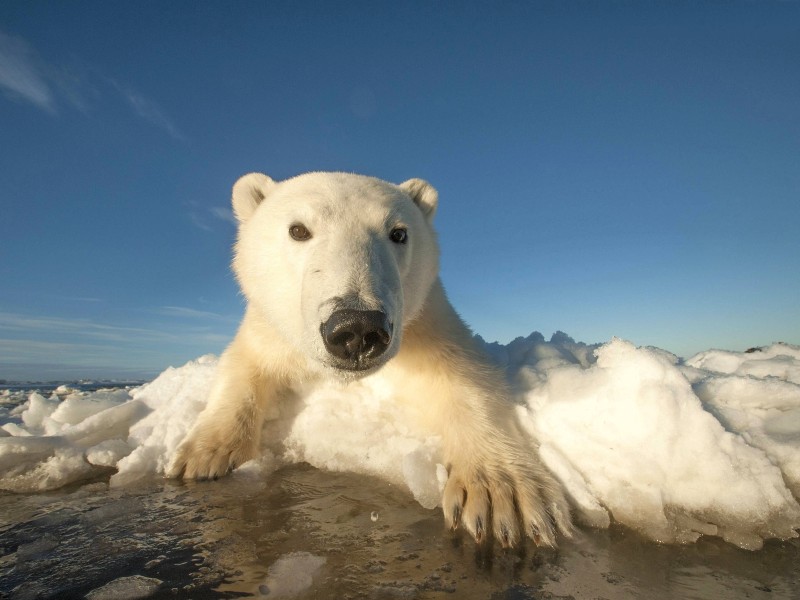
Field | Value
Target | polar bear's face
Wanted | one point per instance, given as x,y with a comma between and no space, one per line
337,263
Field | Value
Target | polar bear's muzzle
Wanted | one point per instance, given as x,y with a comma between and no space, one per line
357,339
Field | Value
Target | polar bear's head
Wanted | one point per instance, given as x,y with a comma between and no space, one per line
337,263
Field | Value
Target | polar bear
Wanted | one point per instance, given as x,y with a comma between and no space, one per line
340,273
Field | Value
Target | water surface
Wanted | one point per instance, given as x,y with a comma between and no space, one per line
306,533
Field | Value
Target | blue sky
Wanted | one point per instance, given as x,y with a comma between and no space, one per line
606,169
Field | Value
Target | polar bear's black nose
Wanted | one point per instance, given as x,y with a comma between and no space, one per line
357,336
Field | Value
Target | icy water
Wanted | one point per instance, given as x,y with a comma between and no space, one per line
306,533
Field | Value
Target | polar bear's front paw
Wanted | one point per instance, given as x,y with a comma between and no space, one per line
203,457
506,500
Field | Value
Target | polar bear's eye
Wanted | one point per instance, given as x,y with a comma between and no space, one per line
399,235
299,232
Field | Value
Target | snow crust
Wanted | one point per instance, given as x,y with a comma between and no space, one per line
126,588
291,575
674,449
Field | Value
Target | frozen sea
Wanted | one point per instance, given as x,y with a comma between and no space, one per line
683,477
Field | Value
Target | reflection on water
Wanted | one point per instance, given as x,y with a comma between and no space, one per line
304,533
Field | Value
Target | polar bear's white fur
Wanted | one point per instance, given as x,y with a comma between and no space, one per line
340,273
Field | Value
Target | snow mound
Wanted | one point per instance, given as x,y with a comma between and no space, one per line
175,398
632,440
675,450
781,361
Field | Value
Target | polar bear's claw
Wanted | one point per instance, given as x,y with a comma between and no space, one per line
513,501
200,461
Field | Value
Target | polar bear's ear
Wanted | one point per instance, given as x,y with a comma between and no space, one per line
248,193
423,194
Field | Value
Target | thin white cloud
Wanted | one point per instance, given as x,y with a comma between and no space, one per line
23,351
82,299
43,360
199,217
30,345
25,76
224,214
74,85
80,327
148,110
191,313
88,329
21,74
199,222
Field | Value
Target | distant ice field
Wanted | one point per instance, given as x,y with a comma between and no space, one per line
673,449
